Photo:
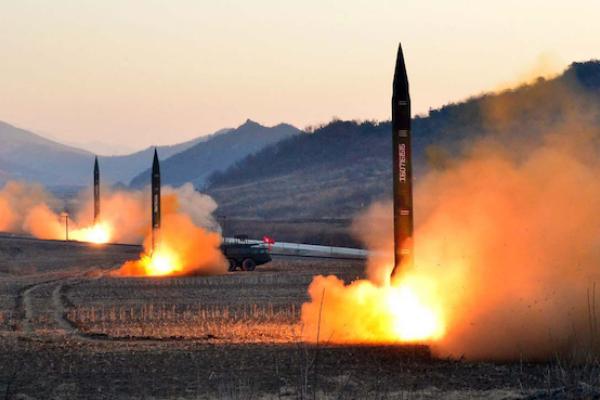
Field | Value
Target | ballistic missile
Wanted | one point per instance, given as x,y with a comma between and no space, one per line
403,201
155,199
96,191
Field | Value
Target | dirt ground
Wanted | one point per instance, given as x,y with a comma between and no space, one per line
69,331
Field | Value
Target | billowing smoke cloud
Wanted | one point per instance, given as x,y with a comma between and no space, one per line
375,229
189,239
513,247
17,199
125,215
506,259
546,65
197,206
182,248
43,223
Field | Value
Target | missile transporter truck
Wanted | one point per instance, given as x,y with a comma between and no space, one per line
245,255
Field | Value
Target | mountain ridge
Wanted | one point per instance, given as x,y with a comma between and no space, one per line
197,162
343,166
29,156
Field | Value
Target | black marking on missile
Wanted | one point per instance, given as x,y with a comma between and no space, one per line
402,162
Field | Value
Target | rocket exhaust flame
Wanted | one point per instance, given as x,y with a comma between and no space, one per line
99,233
183,249
364,313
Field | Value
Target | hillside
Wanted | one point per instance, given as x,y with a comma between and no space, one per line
124,168
342,167
25,155
217,153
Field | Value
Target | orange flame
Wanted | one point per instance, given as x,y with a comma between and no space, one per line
413,319
182,248
161,262
406,311
99,233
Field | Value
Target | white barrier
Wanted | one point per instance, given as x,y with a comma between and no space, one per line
308,250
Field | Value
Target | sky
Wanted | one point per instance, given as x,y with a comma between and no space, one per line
117,75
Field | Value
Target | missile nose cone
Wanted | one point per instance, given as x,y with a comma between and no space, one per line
155,163
400,87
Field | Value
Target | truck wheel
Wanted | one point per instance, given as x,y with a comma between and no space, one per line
232,264
248,264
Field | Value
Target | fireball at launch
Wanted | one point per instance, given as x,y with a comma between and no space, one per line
100,231
175,246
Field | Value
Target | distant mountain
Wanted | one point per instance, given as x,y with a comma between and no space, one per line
325,174
25,155
216,153
100,147
339,169
124,168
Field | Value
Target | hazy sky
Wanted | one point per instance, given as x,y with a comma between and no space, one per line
136,73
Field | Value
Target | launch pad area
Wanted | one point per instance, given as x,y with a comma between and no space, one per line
67,330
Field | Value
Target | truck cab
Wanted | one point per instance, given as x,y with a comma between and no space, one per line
244,254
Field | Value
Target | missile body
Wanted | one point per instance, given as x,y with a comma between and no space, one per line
96,191
155,199
403,202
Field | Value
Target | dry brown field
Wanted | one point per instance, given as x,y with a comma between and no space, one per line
70,331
